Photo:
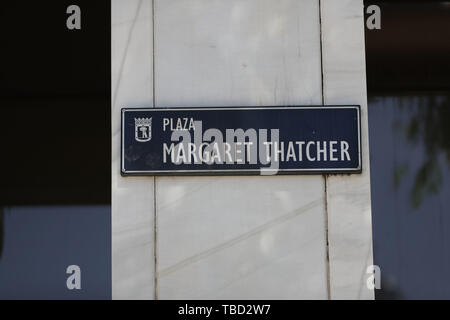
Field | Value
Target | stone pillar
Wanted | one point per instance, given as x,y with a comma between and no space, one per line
261,237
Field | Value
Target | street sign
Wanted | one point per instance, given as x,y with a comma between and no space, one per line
241,140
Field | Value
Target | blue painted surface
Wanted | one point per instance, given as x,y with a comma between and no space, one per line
39,244
410,209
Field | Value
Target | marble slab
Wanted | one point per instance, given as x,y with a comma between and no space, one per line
348,197
132,198
239,237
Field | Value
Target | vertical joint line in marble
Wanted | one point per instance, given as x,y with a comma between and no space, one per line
324,176
155,246
321,51
155,235
153,52
327,244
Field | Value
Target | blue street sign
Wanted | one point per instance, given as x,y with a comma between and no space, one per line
241,140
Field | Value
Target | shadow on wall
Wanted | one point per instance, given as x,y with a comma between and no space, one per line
427,125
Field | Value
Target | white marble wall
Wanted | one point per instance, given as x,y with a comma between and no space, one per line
232,237
348,197
239,237
133,262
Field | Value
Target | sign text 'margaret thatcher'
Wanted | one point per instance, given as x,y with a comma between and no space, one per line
241,152
241,147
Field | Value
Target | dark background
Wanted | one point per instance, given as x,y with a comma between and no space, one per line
411,51
54,104
408,79
55,137
56,161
